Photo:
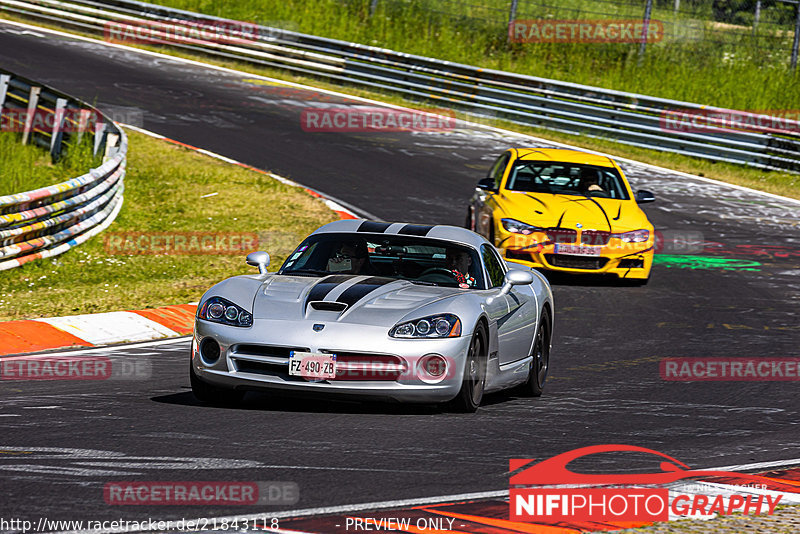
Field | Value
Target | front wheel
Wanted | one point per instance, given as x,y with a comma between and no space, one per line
210,394
541,358
471,394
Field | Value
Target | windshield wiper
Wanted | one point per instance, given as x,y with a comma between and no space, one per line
303,272
423,282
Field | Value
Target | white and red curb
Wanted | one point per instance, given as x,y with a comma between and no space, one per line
35,335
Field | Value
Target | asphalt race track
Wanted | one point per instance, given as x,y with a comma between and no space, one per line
61,441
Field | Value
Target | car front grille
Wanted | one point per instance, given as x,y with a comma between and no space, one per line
366,366
576,262
272,360
631,264
274,351
266,360
595,237
561,235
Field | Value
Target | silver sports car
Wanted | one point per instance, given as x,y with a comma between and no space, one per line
370,309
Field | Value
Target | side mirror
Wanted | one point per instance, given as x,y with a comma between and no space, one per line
643,197
487,184
516,277
259,259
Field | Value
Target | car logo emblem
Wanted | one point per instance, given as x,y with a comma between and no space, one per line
578,225
318,327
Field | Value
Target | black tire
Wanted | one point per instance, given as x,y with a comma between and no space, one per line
205,392
468,222
474,381
541,358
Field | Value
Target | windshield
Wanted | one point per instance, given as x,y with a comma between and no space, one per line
417,259
567,179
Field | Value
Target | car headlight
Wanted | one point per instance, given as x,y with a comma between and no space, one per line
516,227
219,310
433,326
634,236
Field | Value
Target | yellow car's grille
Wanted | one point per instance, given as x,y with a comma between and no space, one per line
576,262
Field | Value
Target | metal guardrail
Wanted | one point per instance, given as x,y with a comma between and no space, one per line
49,221
628,118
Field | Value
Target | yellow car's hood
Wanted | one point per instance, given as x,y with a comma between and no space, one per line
567,211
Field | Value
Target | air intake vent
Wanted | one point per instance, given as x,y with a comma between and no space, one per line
322,305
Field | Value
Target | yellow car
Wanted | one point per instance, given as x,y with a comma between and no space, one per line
564,210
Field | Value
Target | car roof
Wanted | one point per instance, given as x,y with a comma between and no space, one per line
436,231
563,155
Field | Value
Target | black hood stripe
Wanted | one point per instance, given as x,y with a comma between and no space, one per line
363,288
373,227
326,285
608,222
415,229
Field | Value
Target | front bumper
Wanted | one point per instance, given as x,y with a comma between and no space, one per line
625,260
256,358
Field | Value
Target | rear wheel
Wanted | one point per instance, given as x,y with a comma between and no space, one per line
207,393
468,223
541,358
471,394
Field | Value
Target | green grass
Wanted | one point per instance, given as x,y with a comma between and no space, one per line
716,64
27,167
164,187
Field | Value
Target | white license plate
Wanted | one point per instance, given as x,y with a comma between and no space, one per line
312,365
577,250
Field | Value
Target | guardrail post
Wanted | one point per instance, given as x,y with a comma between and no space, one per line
5,79
58,127
33,103
83,122
512,16
648,10
111,145
796,37
99,136
756,16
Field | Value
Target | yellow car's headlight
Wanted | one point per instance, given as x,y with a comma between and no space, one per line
517,227
634,236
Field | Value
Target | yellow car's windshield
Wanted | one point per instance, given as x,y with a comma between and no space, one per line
567,179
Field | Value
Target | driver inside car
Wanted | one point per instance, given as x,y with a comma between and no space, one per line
589,181
350,258
458,263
